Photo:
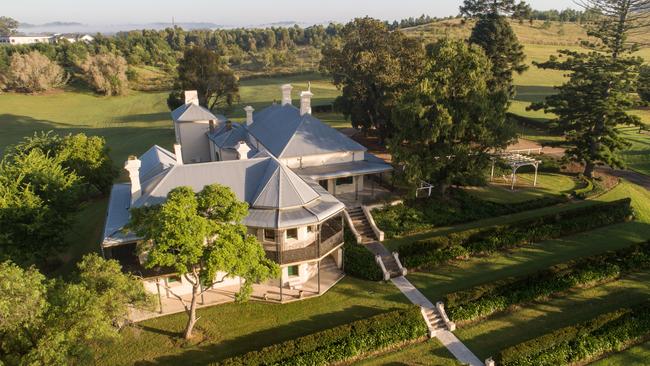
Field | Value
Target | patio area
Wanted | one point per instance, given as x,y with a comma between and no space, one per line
269,292
373,191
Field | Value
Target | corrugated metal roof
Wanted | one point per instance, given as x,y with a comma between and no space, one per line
118,216
285,133
191,112
282,188
154,161
331,171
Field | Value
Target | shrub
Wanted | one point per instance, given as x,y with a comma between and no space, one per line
341,343
106,73
359,261
481,301
425,214
582,342
491,239
34,72
585,190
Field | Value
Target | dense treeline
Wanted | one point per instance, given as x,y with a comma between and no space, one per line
566,15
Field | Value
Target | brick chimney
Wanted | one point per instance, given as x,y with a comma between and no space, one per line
132,165
191,97
249,115
286,94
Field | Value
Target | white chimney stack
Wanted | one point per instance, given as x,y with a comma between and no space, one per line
191,97
132,165
286,94
249,115
305,102
178,151
243,150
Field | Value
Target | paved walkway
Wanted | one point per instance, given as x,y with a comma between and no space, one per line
447,338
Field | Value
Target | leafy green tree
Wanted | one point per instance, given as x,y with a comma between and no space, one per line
643,87
451,120
52,322
495,35
596,98
86,156
8,26
373,67
199,235
204,71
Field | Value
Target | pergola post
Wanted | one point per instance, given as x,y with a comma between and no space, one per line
159,296
514,179
535,181
492,172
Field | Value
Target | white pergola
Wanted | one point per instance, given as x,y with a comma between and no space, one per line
515,161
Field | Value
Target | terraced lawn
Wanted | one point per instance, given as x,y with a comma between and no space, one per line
547,184
427,353
637,355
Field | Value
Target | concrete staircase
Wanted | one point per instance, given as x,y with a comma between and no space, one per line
361,224
386,257
434,318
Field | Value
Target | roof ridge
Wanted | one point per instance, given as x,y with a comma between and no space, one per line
260,190
153,189
294,186
302,120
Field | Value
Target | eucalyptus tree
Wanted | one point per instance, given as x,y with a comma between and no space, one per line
198,235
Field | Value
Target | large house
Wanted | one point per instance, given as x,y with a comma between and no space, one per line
45,38
293,170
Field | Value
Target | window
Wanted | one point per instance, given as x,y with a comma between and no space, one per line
292,234
269,235
310,229
323,183
292,270
344,181
173,279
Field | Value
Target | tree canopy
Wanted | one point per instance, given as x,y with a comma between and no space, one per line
643,87
372,66
199,235
8,26
450,120
597,96
53,322
206,72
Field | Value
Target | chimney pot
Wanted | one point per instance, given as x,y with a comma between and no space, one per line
249,115
191,97
286,94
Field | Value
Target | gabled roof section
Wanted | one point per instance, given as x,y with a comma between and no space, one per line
285,133
191,112
154,161
225,138
281,188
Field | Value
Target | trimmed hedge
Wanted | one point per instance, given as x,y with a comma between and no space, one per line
582,342
586,190
481,301
341,343
359,261
488,240
424,214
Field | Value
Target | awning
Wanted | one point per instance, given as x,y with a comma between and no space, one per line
344,169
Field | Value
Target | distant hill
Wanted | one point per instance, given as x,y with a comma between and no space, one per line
539,32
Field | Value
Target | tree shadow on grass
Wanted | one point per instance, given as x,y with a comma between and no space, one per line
255,341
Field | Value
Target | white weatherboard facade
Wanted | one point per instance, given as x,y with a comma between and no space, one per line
286,164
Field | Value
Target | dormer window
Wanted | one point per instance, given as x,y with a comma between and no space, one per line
292,234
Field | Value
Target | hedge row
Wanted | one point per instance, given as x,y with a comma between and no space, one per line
424,214
359,261
586,190
341,343
495,238
484,300
582,342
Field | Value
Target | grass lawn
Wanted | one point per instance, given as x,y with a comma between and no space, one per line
488,337
230,329
431,353
547,184
637,355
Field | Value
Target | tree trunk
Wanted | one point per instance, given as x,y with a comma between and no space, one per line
192,311
589,170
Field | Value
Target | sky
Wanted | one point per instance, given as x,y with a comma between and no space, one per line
232,12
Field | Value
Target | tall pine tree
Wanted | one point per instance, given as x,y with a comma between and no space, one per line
596,98
495,35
